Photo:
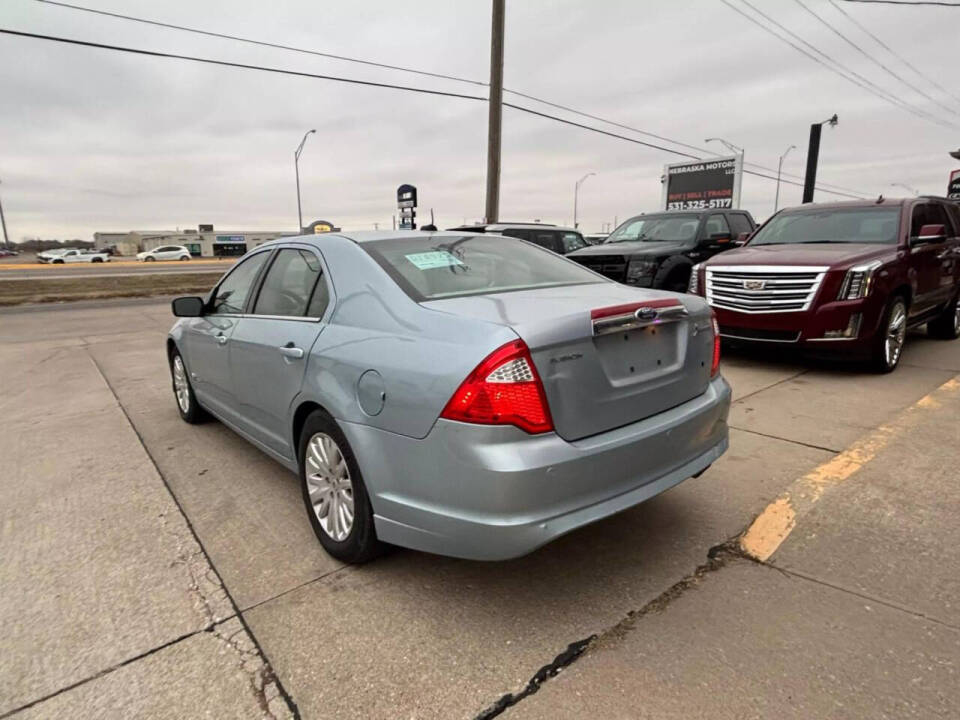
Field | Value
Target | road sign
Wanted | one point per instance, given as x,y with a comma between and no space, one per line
703,184
406,204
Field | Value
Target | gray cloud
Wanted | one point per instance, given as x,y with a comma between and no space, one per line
92,140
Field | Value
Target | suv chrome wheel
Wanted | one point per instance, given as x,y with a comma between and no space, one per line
180,386
896,334
329,486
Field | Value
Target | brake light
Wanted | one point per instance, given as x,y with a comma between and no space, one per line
504,389
715,364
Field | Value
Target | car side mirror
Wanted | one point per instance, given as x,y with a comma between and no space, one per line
930,234
720,238
187,306
742,239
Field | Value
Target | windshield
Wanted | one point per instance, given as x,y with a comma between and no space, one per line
843,225
431,268
657,228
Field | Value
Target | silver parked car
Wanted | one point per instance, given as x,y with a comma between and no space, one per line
468,395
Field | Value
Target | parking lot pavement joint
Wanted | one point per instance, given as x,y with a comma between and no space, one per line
772,385
267,687
778,437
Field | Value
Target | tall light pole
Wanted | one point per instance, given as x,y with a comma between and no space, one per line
296,167
576,192
776,198
3,222
813,157
495,115
912,191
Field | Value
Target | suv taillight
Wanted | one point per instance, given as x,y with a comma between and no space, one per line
715,364
504,389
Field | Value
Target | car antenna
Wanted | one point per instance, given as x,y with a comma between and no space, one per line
880,199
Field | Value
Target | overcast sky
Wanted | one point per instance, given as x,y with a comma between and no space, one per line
98,140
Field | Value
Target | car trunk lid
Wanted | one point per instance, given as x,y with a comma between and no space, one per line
608,355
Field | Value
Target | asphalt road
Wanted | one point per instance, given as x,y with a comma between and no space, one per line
156,569
39,271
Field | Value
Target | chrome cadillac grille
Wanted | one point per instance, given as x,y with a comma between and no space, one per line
763,288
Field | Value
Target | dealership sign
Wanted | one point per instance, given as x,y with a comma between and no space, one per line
703,184
407,205
953,187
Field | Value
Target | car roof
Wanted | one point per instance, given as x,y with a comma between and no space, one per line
363,236
874,202
507,225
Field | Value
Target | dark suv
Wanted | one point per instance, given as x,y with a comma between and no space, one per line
850,277
559,239
658,250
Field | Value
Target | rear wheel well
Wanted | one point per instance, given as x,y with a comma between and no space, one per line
300,417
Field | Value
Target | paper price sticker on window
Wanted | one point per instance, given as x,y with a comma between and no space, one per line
431,260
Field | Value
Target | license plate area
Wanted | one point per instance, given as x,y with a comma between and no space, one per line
641,354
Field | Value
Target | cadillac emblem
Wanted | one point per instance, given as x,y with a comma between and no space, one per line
754,284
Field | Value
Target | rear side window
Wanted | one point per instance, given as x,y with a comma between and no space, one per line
289,283
715,224
232,293
572,241
545,239
517,233
739,223
433,268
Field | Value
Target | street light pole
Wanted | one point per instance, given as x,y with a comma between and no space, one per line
813,157
776,198
576,192
730,146
3,222
495,115
296,167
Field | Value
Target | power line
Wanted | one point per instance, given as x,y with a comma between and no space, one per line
400,68
367,83
889,49
903,2
870,57
831,64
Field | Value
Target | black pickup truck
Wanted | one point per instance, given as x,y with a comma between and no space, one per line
658,250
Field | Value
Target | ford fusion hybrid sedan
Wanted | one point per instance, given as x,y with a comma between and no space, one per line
470,395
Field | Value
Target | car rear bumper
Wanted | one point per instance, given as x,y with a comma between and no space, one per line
493,493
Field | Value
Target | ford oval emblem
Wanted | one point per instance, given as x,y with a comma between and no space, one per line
646,313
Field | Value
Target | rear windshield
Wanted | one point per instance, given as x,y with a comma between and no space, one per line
431,268
657,228
843,225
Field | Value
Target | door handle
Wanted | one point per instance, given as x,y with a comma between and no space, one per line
221,339
290,351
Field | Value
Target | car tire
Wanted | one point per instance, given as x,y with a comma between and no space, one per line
96,260
149,259
187,405
58,262
327,490
890,337
185,257
673,275
946,326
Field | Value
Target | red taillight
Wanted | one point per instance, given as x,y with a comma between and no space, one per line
715,365
503,390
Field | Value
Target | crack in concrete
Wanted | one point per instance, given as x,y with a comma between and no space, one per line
263,683
717,557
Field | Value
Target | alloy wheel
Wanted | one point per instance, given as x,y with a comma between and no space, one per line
180,385
329,486
896,334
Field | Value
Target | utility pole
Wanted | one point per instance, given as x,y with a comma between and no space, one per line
495,112
813,156
3,222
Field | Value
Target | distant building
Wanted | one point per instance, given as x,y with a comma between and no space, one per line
201,243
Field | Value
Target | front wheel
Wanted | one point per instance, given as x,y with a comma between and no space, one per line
888,344
946,326
149,259
333,491
185,257
58,262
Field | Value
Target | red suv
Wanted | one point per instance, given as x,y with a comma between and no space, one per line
850,277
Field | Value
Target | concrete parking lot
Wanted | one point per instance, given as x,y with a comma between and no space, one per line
155,569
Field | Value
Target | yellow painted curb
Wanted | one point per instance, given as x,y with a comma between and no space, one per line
779,518
112,263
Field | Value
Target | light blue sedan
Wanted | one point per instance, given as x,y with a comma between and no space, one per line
463,394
